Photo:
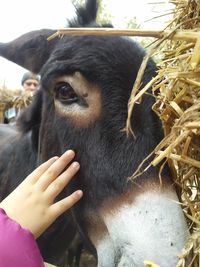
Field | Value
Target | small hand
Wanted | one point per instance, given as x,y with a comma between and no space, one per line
32,205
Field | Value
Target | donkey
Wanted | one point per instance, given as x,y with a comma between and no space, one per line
82,105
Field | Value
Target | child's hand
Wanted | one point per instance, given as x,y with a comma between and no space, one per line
32,205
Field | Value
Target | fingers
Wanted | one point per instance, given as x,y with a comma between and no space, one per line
36,174
59,183
55,169
61,206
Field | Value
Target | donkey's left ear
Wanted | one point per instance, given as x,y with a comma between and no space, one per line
30,50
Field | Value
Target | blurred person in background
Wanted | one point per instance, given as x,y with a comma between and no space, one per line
30,83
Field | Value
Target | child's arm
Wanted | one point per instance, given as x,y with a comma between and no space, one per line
31,206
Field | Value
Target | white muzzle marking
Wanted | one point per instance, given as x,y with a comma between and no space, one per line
151,228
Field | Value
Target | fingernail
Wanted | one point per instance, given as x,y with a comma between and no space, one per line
70,153
79,193
75,164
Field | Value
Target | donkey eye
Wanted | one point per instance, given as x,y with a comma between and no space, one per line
66,94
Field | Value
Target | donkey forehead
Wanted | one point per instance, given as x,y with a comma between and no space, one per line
111,63
93,45
90,54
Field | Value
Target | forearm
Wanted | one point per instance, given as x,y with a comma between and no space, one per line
17,245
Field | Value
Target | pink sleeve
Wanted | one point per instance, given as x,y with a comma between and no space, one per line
18,247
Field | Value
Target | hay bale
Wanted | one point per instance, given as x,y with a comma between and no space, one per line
18,99
177,92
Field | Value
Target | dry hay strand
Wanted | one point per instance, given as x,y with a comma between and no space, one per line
177,91
48,265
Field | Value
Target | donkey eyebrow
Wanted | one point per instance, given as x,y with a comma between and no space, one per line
54,71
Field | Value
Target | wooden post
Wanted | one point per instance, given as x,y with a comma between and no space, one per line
2,111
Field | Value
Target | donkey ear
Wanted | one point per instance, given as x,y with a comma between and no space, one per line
85,15
30,50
